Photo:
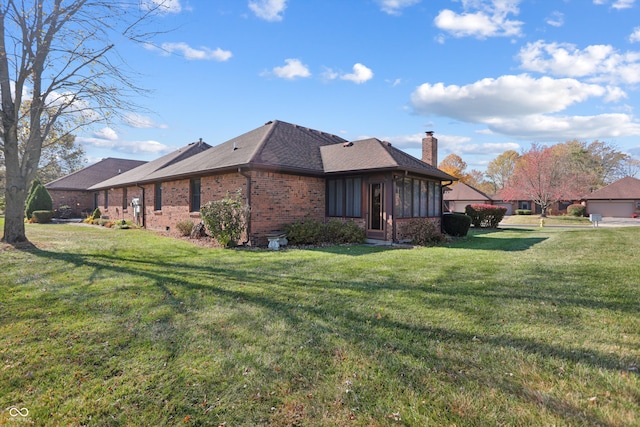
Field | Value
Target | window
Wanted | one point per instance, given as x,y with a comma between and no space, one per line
194,195
344,197
157,204
417,198
124,198
106,199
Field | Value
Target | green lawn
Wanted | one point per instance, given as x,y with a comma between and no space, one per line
524,327
549,221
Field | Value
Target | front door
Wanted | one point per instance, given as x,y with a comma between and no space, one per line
376,217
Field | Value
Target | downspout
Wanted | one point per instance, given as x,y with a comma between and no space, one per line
143,207
248,176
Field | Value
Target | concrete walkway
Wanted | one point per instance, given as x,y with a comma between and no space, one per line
605,222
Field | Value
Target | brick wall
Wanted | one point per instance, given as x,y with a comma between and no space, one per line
276,199
77,200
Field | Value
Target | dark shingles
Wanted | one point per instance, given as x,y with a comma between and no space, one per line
462,191
373,154
93,174
625,188
140,173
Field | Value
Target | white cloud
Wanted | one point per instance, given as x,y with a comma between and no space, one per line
360,74
163,6
600,63
189,53
106,134
556,19
506,96
142,122
617,4
393,7
623,4
554,128
525,107
107,138
269,10
635,36
294,69
481,19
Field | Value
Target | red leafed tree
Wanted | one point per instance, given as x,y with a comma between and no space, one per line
544,177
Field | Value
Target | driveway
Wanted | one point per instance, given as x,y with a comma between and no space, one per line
610,221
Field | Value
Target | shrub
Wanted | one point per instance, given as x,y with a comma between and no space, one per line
305,232
523,211
97,213
423,231
336,231
577,210
312,232
226,218
39,199
485,216
456,224
42,217
64,212
185,227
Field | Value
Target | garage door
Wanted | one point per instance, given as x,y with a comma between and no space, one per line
621,209
507,206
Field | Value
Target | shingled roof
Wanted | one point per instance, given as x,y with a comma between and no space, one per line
275,145
282,147
372,154
462,191
140,173
625,188
84,178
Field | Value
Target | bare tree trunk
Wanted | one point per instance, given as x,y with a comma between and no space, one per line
16,194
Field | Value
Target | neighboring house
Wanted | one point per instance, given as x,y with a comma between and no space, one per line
73,190
116,196
286,173
459,196
618,199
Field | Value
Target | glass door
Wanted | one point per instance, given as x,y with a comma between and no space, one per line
376,207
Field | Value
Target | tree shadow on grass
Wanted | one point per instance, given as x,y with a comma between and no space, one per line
328,314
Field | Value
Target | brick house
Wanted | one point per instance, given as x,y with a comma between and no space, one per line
285,173
73,190
618,199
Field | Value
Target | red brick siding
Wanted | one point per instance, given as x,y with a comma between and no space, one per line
77,200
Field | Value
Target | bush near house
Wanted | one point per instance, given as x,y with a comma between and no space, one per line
456,224
485,216
423,232
38,199
523,211
41,217
226,218
312,232
184,227
577,210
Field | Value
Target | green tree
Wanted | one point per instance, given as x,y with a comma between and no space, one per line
60,57
500,169
39,199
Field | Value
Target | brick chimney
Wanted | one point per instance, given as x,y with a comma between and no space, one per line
430,149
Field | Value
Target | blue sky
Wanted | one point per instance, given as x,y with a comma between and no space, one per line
485,75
